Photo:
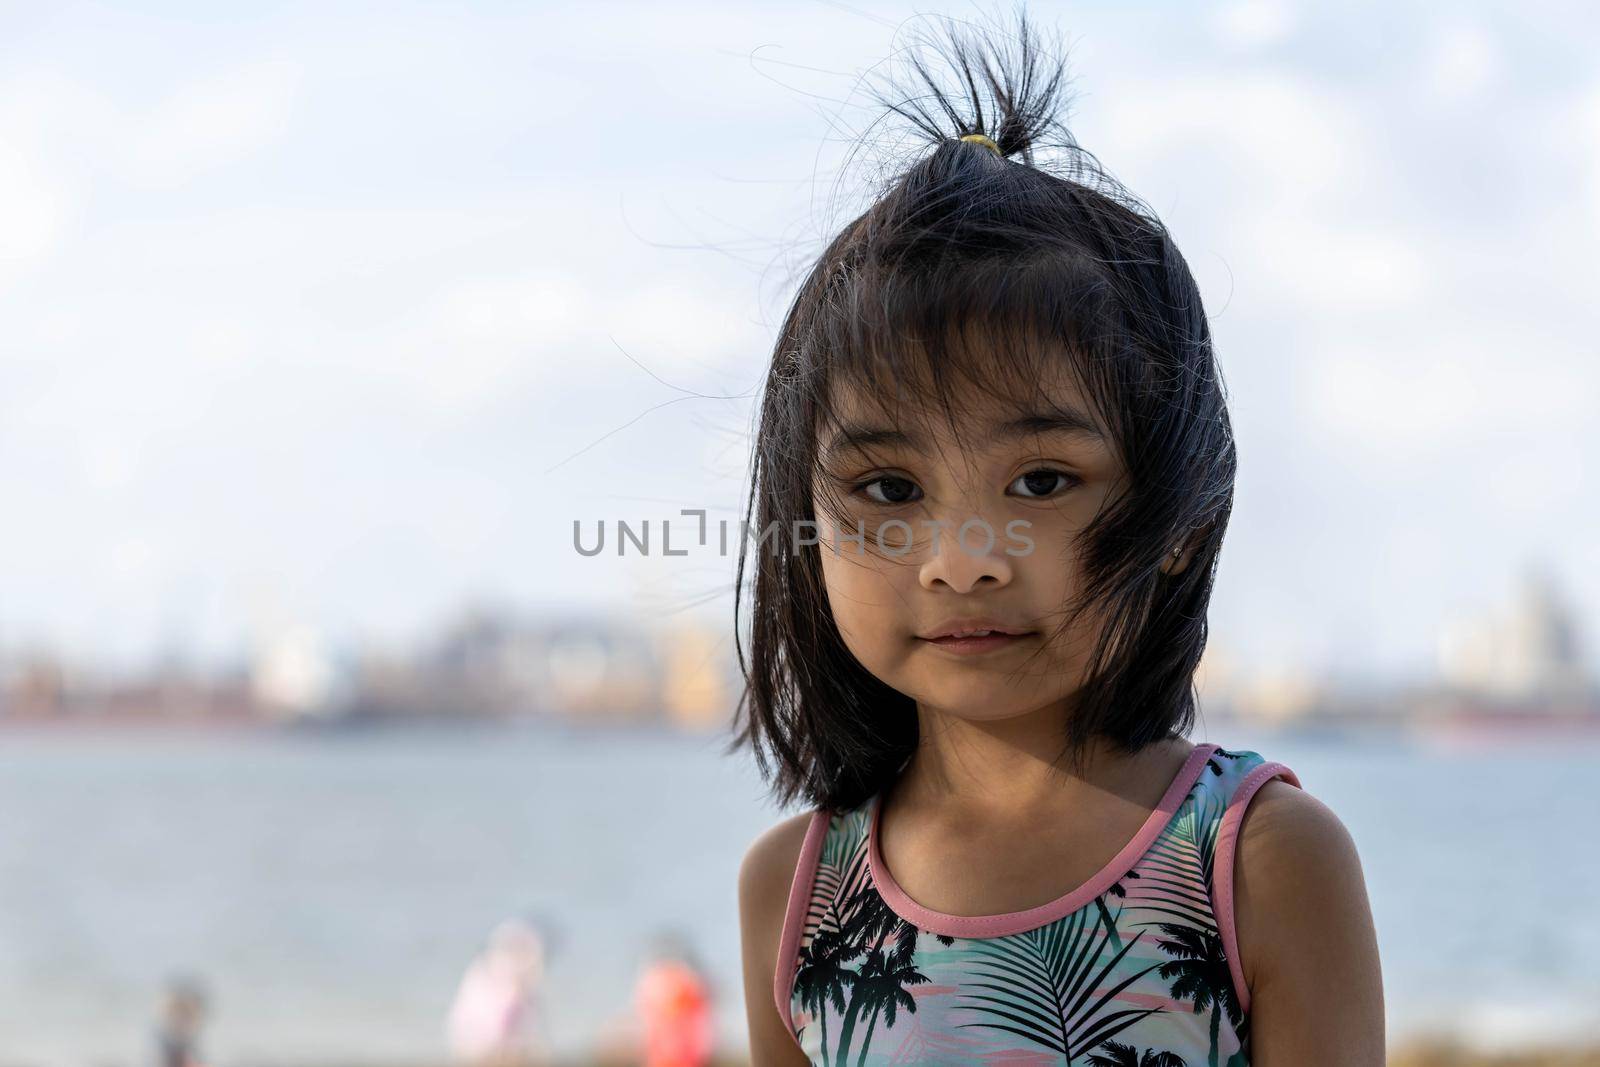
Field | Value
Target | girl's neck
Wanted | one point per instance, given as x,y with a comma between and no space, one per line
1013,770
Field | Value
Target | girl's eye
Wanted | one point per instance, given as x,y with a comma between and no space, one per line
1043,482
895,490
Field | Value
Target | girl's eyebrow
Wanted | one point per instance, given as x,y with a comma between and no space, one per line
1063,421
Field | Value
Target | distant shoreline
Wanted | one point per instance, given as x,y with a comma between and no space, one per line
1468,731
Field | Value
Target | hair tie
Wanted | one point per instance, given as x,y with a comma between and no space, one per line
986,142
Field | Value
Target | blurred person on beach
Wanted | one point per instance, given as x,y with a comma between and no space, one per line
497,1015
672,1000
178,1030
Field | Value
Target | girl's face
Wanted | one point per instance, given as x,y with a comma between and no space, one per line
1030,482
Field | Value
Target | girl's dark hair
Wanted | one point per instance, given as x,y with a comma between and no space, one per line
1059,269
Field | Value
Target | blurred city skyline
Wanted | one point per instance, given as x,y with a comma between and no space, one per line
342,318
1518,670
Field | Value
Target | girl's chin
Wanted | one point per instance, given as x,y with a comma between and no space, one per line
974,702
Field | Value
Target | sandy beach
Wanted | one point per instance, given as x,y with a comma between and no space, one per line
1442,1055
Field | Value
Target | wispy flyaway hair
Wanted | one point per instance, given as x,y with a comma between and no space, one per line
1000,271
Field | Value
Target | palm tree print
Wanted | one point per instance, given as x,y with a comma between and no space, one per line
1200,975
823,975
1211,761
1115,1054
1176,871
1109,921
822,979
877,984
881,986
1049,985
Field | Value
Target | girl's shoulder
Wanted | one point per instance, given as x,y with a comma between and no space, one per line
1233,776
1228,785
769,860
1294,905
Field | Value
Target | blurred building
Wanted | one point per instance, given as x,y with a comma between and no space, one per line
292,674
1278,695
33,685
697,690
1526,653
1273,695
497,662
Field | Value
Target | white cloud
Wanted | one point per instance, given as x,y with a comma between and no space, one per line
31,210
110,460
537,308
1271,136
212,122
41,115
133,558
1317,263
1588,124
1274,166
1392,403
1436,387
1248,24
1462,60
677,326
475,336
59,134
1531,476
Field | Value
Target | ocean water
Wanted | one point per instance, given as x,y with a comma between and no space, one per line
331,888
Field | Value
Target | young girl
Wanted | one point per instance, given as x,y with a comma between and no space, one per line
993,473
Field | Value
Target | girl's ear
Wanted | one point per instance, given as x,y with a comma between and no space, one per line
1175,561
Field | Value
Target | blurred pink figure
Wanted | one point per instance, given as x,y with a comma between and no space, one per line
674,1009
495,1018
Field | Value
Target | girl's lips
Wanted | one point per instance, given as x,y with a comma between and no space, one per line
972,645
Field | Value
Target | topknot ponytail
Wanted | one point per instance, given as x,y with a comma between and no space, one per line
1011,90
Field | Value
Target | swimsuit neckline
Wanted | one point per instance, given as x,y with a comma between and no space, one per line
1013,922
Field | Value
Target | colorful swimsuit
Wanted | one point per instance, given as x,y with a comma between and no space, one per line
1139,966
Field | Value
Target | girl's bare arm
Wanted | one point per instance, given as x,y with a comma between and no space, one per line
764,880
1305,936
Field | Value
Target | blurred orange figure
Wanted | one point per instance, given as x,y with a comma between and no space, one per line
674,1009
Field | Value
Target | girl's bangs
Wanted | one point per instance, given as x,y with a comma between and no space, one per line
1002,335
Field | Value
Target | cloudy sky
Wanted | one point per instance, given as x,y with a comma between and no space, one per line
341,319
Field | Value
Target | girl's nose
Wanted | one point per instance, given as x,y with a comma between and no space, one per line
963,555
